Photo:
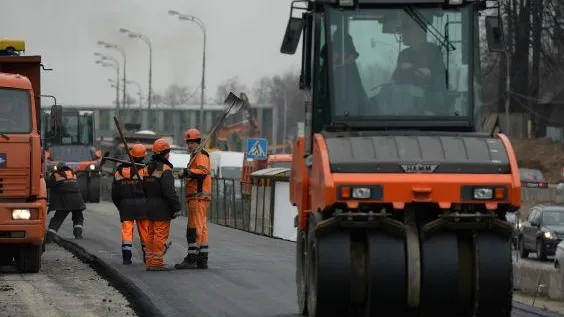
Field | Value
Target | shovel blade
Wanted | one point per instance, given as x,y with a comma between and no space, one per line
233,104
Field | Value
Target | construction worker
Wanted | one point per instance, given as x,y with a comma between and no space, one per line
129,198
198,196
162,203
65,198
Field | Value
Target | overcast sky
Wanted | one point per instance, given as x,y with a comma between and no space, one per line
243,36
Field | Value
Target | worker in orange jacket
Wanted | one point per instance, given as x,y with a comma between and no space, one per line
162,203
129,198
198,195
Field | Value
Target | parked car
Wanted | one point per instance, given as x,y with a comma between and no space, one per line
533,178
542,231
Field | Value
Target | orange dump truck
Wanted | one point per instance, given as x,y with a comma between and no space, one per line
22,185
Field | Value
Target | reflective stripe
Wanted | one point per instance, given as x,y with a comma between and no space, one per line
126,242
204,249
52,230
192,245
77,226
202,194
126,247
190,251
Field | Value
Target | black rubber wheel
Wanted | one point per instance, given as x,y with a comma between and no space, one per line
494,275
301,276
94,189
387,274
6,257
523,253
329,272
439,275
29,259
541,254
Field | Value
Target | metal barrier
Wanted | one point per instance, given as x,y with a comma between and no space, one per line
229,207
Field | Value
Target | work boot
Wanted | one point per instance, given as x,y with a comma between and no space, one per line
189,262
49,237
126,255
77,231
202,260
164,267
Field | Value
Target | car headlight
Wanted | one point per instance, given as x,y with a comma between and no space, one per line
483,193
520,225
92,167
361,193
21,214
550,235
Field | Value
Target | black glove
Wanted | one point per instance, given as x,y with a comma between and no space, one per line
176,214
184,173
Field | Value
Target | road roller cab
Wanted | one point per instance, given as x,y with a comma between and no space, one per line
401,179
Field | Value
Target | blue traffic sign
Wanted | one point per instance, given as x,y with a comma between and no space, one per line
257,148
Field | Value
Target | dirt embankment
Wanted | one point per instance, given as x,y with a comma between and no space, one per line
544,154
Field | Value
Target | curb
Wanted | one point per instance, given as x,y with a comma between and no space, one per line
140,302
534,310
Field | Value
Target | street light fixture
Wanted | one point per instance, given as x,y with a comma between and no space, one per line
116,66
187,17
120,49
144,38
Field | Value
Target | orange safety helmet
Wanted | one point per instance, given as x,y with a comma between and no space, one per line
138,151
160,146
192,134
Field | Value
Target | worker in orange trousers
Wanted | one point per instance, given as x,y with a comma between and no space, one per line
198,195
129,198
163,205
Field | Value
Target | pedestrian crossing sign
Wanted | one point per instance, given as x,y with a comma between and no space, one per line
257,148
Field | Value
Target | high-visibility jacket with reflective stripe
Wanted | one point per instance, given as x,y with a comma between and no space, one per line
127,193
198,184
64,193
162,199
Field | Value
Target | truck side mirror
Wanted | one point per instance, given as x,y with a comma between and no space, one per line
292,35
494,34
56,118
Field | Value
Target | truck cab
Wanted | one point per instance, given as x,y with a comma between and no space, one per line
73,143
22,186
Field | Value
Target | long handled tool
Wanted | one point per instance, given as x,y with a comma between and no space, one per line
107,158
131,160
233,105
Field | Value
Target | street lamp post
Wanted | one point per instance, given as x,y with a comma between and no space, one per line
186,17
147,41
140,91
116,66
120,49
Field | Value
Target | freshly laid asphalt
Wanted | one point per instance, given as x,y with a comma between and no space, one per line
249,275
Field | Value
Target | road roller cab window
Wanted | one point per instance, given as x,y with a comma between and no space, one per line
397,63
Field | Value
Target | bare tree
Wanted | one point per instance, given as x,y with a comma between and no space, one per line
176,95
229,85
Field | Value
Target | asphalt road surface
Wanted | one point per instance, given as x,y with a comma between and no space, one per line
64,287
248,275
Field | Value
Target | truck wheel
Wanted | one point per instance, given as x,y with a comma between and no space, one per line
82,181
94,189
29,259
6,259
301,278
